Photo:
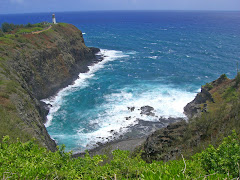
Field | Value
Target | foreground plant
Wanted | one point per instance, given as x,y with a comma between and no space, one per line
29,161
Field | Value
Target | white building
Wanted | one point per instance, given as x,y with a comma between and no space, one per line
54,19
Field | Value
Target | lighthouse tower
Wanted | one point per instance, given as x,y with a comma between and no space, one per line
54,19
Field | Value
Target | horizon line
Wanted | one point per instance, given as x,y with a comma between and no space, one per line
121,10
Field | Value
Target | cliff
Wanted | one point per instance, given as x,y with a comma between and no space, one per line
213,114
33,67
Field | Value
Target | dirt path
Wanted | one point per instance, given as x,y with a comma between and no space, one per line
37,32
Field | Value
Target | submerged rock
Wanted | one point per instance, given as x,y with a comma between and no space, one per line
147,110
131,109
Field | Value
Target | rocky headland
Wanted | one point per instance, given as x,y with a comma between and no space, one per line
33,67
36,66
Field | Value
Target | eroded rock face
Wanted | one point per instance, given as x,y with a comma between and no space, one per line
193,109
54,63
168,143
38,65
161,145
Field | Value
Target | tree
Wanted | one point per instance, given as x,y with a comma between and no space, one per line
6,27
29,25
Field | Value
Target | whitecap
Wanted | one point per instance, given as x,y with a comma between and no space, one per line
131,53
153,57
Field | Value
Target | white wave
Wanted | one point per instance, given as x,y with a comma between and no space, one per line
83,33
153,57
82,82
166,101
131,53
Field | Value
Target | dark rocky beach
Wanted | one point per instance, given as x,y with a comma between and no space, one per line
135,136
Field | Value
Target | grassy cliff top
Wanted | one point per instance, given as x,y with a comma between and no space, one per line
35,36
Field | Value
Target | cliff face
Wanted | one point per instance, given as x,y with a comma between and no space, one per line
33,67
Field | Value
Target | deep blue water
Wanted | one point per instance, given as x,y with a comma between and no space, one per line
155,58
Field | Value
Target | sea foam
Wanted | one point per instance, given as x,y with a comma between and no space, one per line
56,101
115,117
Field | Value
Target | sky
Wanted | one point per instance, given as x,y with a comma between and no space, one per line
30,6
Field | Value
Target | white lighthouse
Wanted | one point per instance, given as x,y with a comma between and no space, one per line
54,19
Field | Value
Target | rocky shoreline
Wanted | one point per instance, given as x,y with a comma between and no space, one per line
136,134
160,139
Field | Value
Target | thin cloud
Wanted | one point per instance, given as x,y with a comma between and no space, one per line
17,1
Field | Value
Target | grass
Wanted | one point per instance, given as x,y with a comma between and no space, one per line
7,39
63,24
28,30
230,94
11,123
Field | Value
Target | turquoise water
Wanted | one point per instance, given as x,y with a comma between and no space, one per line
159,59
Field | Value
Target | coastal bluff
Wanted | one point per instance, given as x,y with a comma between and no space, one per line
34,67
212,115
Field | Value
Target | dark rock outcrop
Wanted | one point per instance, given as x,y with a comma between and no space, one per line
194,109
162,144
147,110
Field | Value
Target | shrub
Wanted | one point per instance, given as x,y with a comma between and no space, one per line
208,86
29,161
7,27
224,159
223,76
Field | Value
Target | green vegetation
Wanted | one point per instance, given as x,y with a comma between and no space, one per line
29,161
230,94
28,30
223,76
224,159
208,86
7,28
63,24
8,112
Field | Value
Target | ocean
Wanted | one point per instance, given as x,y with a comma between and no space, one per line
152,58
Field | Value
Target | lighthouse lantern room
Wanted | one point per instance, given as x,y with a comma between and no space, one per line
54,19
